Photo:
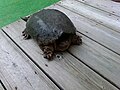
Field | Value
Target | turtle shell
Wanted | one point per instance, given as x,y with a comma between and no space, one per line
48,25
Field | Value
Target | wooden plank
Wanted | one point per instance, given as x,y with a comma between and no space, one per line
19,71
99,58
68,72
94,14
106,5
97,32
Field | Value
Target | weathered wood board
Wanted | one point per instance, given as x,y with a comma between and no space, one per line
105,5
99,16
18,70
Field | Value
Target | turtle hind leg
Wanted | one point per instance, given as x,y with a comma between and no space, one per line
76,40
26,36
48,51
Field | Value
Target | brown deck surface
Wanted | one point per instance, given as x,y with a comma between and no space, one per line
94,65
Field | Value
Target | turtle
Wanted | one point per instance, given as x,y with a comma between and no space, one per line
53,31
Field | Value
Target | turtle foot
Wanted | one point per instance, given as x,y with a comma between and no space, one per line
26,36
48,52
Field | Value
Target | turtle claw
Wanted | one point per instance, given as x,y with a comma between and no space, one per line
26,36
48,56
48,52
23,33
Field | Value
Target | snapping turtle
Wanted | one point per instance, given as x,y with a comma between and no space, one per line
52,30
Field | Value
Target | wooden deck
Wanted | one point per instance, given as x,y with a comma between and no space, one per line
95,65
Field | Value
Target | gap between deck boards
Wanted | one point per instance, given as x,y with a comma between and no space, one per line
2,86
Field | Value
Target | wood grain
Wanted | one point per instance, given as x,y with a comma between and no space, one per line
5,82
106,5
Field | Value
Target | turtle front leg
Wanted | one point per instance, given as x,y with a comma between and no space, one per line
48,51
76,40
26,36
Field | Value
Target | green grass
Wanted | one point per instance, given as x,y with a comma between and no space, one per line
12,10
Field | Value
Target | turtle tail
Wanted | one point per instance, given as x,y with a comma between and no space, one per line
25,18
